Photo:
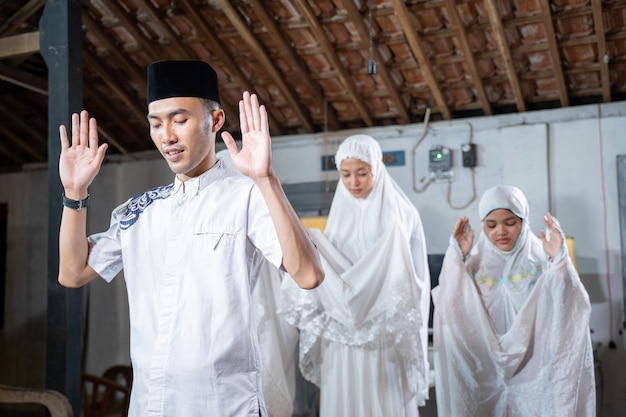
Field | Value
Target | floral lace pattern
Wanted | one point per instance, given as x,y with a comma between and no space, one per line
138,204
398,327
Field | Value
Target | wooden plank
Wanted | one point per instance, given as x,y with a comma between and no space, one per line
603,56
414,41
553,44
269,64
24,44
330,53
470,61
233,68
505,51
382,70
14,22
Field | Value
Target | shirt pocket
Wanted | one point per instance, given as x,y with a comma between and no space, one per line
213,241
209,242
213,252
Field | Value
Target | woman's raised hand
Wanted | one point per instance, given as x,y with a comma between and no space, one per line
464,235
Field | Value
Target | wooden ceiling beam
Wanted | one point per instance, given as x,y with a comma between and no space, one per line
18,45
304,75
231,66
20,142
156,17
15,21
505,52
127,64
32,137
603,57
268,63
95,66
343,75
354,16
413,38
132,26
124,129
453,13
554,52
21,79
8,150
104,134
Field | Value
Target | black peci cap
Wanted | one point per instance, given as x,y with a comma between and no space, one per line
185,78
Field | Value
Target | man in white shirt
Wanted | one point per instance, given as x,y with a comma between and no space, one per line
188,249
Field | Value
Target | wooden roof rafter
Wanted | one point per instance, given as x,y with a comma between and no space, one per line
153,14
357,20
111,114
19,78
414,41
272,27
469,56
29,9
133,71
267,62
132,104
603,56
335,62
227,60
524,54
22,142
132,26
557,65
505,51
8,151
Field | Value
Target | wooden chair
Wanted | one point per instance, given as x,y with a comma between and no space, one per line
107,395
55,402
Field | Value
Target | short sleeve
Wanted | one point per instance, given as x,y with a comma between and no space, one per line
261,229
105,248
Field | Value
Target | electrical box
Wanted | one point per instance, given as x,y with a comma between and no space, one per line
440,163
440,159
468,155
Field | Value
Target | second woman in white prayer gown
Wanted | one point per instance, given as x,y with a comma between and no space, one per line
363,333
511,321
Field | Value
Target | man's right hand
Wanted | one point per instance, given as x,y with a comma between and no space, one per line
80,161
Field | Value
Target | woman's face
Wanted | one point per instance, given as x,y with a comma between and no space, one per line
357,177
502,228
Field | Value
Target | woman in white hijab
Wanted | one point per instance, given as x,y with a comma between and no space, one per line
363,334
511,321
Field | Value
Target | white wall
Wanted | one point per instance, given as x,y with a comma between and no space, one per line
564,160
554,156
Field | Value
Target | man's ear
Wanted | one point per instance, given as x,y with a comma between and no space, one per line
219,118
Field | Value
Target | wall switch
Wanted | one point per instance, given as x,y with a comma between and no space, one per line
468,154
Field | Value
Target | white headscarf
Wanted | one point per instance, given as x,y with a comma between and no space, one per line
506,278
355,224
515,341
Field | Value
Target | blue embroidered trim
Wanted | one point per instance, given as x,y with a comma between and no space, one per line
138,204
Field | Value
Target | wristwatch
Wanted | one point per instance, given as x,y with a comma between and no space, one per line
75,204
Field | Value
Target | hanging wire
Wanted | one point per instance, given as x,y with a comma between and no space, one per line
419,141
472,173
371,65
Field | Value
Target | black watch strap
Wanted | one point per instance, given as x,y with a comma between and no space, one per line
75,204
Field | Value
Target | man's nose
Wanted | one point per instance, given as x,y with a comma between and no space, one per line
168,135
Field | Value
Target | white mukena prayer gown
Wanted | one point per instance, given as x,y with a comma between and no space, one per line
511,329
363,331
